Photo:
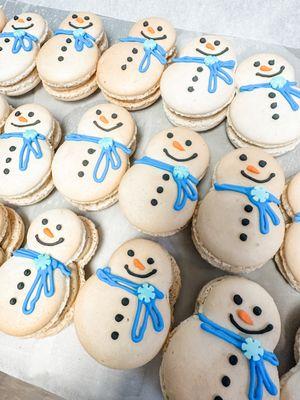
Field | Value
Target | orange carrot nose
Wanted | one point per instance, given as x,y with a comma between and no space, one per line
265,68
79,20
253,169
22,119
245,317
21,20
103,119
48,232
210,46
138,264
150,29
178,146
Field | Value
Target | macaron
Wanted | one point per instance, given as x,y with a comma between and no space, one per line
290,382
3,19
67,62
20,43
287,258
12,231
89,165
39,284
129,72
238,226
265,112
31,134
124,311
158,194
199,85
225,350
5,109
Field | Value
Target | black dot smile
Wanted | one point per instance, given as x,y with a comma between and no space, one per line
60,240
212,54
271,176
25,125
139,275
154,37
118,125
82,27
179,159
22,27
271,75
267,328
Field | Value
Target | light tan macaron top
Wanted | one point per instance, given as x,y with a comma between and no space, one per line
4,111
290,382
293,194
2,19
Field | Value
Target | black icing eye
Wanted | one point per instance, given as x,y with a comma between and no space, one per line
86,17
262,163
130,253
170,135
243,157
256,64
29,18
237,299
98,112
74,16
217,42
114,115
271,62
188,142
150,260
16,17
145,23
58,227
17,113
44,221
202,40
257,310
31,114
159,28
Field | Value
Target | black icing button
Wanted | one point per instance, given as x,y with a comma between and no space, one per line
64,48
6,40
8,160
125,301
273,105
226,381
114,335
248,208
13,301
243,237
12,148
119,317
0,48
245,222
200,69
166,177
218,398
85,163
60,58
160,189
27,272
275,116
233,360
190,89
195,78
69,40
80,174
134,50
154,202
20,285
6,171
272,95
123,67
129,59
91,151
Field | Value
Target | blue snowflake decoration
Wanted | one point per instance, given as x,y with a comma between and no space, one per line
181,172
277,82
252,349
146,293
43,261
209,60
106,143
260,194
30,134
150,44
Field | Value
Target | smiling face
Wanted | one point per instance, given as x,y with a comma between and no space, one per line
59,233
108,120
182,147
30,116
245,308
251,167
208,45
157,29
260,68
89,22
31,23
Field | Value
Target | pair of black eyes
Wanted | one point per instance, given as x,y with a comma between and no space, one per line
238,301
30,114
114,115
261,163
45,222
187,142
28,18
149,260
257,63
216,42
74,16
159,28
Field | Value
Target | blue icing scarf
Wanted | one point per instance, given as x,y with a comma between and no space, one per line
253,351
108,155
216,69
44,280
30,145
150,48
297,218
22,40
280,84
261,199
146,294
81,37
186,183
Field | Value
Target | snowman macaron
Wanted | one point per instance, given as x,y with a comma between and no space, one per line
3,19
129,72
238,226
265,112
5,110
20,43
199,85
290,382
88,167
158,194
123,313
39,284
27,146
67,62
225,350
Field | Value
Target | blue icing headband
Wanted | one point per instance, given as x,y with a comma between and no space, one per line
22,40
30,145
216,69
81,37
108,154
150,48
146,294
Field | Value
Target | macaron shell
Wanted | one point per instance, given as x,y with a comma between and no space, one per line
290,385
291,250
4,111
293,194
85,19
2,19
3,221
36,26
